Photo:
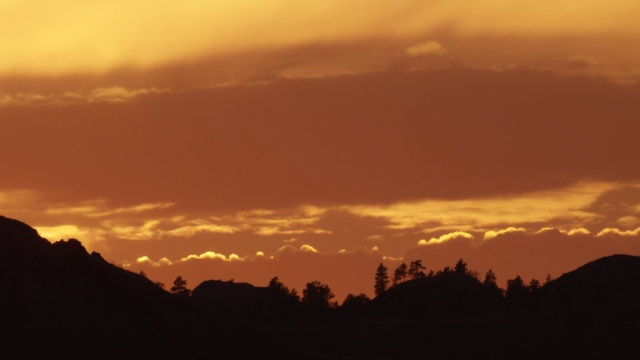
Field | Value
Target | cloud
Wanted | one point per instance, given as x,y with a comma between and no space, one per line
344,227
543,206
155,229
578,231
267,231
426,48
131,209
90,237
20,201
583,62
22,99
629,221
289,249
446,237
308,248
72,210
193,227
265,222
147,260
54,233
376,237
58,44
379,167
615,231
212,255
113,94
492,233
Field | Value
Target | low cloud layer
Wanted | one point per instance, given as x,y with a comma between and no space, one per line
145,238
114,94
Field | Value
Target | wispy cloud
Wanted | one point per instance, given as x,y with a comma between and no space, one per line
426,48
615,231
113,94
481,213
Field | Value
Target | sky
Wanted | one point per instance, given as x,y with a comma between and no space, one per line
312,141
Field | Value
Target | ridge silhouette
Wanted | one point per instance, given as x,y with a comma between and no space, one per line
58,300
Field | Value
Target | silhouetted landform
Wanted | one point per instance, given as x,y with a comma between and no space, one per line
57,300
442,296
245,303
609,286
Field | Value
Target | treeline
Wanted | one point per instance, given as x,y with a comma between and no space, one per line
516,287
409,292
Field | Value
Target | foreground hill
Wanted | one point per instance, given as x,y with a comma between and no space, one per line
609,286
56,299
242,303
443,296
591,312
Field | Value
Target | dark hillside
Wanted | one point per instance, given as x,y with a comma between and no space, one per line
609,286
442,296
56,299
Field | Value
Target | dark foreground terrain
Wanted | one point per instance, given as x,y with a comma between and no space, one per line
57,300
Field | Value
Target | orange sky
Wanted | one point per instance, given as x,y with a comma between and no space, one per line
248,139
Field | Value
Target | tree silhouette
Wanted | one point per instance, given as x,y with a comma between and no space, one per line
490,279
280,288
490,283
461,267
355,305
360,299
382,279
416,270
516,286
179,288
534,285
317,294
275,284
400,274
517,292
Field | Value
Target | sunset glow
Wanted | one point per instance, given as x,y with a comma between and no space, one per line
311,141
